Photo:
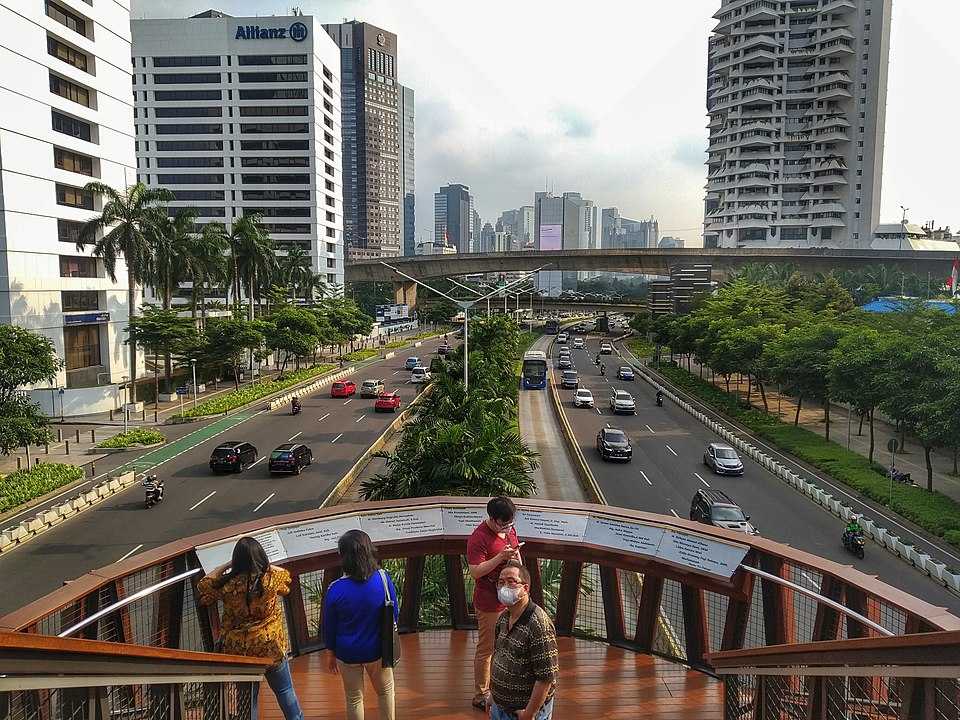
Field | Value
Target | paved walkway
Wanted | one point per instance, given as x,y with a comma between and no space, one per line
850,435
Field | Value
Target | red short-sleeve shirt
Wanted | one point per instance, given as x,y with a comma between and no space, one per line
483,544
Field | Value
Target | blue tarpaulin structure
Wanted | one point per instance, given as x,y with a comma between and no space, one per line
895,304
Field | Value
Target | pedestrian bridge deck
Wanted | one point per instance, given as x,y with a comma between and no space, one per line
434,681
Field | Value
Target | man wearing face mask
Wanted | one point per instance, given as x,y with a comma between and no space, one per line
490,547
525,657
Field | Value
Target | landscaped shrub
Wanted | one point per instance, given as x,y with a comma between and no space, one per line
253,392
137,436
25,485
360,355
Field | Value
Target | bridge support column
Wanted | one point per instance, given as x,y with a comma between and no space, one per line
405,293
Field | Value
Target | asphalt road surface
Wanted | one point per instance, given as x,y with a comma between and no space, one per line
337,430
667,469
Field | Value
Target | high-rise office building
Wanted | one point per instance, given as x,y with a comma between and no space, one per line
487,238
453,217
620,233
241,116
476,228
373,187
797,95
408,218
520,224
66,120
564,222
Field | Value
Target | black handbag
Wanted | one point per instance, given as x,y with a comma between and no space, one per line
389,635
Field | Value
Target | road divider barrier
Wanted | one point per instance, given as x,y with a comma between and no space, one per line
879,535
47,518
312,387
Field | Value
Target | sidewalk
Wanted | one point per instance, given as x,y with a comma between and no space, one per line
851,437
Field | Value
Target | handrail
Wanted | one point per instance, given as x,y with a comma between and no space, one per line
142,593
819,598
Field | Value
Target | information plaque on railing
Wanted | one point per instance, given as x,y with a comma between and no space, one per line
687,549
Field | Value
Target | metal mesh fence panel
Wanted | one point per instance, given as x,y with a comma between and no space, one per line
784,696
889,616
589,621
804,607
670,638
738,695
946,700
311,590
716,605
191,636
238,700
201,701
138,702
755,634
877,698
56,704
631,586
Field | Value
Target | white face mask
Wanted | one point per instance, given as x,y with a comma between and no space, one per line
508,595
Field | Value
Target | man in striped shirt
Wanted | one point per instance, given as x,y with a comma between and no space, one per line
525,659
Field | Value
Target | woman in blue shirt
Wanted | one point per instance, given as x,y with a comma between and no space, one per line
351,624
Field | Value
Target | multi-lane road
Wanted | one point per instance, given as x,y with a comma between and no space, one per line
667,469
195,501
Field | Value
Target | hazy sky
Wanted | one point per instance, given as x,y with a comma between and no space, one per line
607,98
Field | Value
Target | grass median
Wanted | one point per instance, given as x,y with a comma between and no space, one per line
253,392
933,511
130,438
25,485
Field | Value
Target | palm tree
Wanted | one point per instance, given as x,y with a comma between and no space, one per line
205,263
171,237
123,229
252,258
295,269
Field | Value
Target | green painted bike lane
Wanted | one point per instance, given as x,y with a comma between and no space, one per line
154,458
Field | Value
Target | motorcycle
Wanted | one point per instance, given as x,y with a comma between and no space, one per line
900,477
659,399
152,491
296,408
853,542
603,370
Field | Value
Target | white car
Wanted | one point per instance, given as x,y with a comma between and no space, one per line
578,343
562,337
606,348
622,402
419,375
583,398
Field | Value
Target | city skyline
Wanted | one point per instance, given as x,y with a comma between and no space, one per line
558,136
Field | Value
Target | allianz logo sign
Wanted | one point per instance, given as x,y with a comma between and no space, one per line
296,32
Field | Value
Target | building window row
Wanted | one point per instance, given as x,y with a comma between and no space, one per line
274,94
189,129
69,90
185,78
272,60
72,162
69,55
274,111
273,128
198,179
79,300
181,112
71,126
287,228
74,197
184,195
276,195
68,231
200,211
66,18
269,145
188,162
258,77
275,162
173,95
188,145
278,211
187,61
78,266
274,179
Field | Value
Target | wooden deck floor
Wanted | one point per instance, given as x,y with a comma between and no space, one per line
435,682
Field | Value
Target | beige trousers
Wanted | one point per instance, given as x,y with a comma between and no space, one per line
486,623
380,677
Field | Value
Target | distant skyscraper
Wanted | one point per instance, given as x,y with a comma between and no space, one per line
453,217
797,96
487,238
520,224
370,101
566,222
620,233
670,242
476,228
408,222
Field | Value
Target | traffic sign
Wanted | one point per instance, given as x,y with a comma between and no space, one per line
893,445
182,390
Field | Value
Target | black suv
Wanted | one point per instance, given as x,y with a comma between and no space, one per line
233,456
613,444
714,507
290,458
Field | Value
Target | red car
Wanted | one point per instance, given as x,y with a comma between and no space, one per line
343,388
387,401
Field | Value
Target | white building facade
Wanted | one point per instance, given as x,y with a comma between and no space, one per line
239,116
66,119
796,95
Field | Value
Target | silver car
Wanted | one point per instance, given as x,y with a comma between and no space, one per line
583,398
722,459
622,402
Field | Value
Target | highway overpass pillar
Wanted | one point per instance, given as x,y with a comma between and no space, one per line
405,293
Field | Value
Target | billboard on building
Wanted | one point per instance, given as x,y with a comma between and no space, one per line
386,314
551,237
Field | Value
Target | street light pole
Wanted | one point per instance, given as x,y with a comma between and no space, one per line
903,227
193,367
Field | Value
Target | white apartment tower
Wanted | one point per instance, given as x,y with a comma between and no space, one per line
240,116
796,96
66,118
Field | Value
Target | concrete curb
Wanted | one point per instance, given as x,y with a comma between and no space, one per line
312,387
878,534
128,448
45,519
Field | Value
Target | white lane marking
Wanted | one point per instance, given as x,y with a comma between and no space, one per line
294,437
598,411
196,505
360,418
651,429
672,450
323,418
396,372
257,462
674,513
130,553
697,476
646,478
265,501
337,438
348,401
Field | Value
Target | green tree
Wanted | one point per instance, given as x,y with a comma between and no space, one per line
25,359
205,263
162,331
295,271
296,332
857,372
171,240
252,260
227,341
368,295
123,229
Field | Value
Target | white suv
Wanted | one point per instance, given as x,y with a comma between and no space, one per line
583,398
419,375
622,402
